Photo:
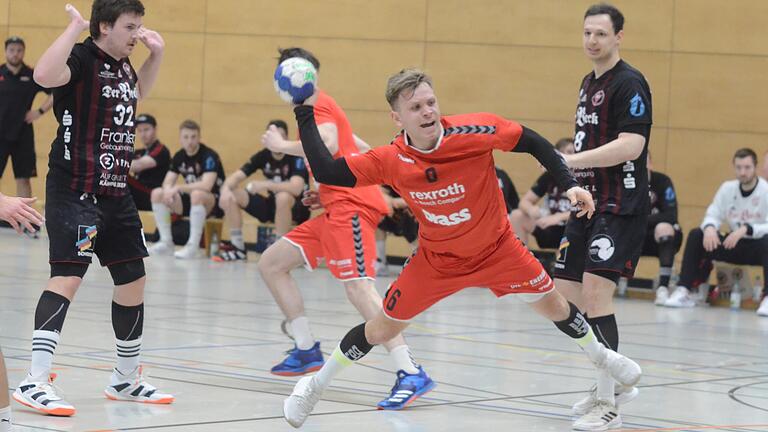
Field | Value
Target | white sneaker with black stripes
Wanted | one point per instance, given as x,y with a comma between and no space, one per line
41,395
603,416
133,388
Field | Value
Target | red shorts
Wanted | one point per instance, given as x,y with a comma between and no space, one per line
507,268
345,236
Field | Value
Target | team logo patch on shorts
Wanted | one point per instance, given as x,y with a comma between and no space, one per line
562,253
601,248
86,236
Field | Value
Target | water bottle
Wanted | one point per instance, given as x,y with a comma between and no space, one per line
736,295
214,246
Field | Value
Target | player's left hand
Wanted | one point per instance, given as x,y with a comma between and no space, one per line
733,238
311,199
152,40
260,187
19,213
582,200
31,116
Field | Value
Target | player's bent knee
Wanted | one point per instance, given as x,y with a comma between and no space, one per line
127,272
156,195
663,229
284,199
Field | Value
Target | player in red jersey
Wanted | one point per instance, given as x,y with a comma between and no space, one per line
344,235
443,167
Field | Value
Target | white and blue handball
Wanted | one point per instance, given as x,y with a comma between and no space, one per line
295,80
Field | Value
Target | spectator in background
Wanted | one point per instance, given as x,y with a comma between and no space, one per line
663,237
743,204
511,199
275,199
203,175
149,165
547,222
17,137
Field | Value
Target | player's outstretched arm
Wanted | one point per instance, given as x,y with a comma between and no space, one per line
534,144
325,168
52,70
627,147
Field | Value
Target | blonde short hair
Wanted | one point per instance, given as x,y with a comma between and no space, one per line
406,79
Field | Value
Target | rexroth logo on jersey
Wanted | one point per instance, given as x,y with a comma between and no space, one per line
452,219
582,118
448,195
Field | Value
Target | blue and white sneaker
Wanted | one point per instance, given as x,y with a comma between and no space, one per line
407,389
300,362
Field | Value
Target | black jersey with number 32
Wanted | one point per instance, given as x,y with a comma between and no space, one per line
93,148
618,101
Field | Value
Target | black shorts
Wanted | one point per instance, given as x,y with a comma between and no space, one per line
402,224
22,154
549,238
607,245
186,206
651,248
263,209
80,225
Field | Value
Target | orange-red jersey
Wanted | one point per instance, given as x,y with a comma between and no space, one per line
451,189
328,111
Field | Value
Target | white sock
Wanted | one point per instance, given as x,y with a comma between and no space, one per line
163,221
403,359
595,351
301,333
236,238
5,419
44,343
381,251
605,386
196,224
335,364
128,355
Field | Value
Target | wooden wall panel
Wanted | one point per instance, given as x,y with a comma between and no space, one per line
717,92
389,20
518,82
3,14
711,26
45,13
36,40
181,73
699,161
552,23
352,71
186,16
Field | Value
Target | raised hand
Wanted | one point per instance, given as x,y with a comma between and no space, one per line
19,213
152,40
272,139
75,18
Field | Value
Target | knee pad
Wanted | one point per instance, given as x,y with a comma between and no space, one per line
68,269
127,272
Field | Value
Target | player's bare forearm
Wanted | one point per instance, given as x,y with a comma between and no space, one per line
51,69
148,73
627,147
292,148
142,163
233,180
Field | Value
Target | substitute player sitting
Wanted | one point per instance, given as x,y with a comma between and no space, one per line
465,239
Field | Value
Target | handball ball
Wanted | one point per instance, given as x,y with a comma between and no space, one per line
295,80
